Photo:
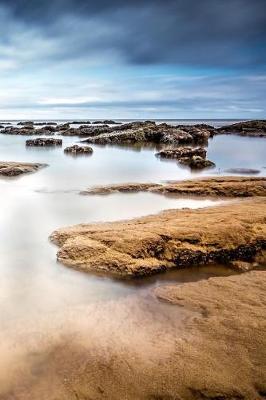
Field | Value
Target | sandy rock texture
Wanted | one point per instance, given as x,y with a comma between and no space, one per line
16,168
204,187
174,238
227,340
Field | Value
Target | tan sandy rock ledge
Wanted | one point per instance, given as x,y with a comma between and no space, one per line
173,238
204,187
18,168
225,353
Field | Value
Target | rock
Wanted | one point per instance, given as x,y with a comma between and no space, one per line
15,168
2,127
28,130
106,122
86,131
182,152
193,157
248,171
256,128
174,238
45,123
203,187
149,132
44,142
197,162
27,123
80,122
75,149
200,133
243,266
121,188
63,127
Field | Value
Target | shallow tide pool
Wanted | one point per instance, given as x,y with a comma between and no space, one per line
33,285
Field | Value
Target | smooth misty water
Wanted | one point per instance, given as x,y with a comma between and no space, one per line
34,205
33,286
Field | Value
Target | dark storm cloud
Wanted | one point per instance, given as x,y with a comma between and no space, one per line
206,33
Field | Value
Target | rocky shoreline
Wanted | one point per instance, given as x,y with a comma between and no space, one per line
111,132
174,238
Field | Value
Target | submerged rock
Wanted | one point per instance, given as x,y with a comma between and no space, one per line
75,149
16,168
44,142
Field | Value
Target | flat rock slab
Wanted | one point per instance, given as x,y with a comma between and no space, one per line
16,168
174,238
206,187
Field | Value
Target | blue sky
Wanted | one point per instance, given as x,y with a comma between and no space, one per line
141,59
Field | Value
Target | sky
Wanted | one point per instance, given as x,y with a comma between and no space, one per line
132,59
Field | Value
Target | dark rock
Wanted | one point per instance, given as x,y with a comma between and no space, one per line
243,171
28,123
148,131
28,130
80,122
182,152
106,122
13,130
45,123
197,162
256,128
44,142
85,130
75,149
63,127
193,157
